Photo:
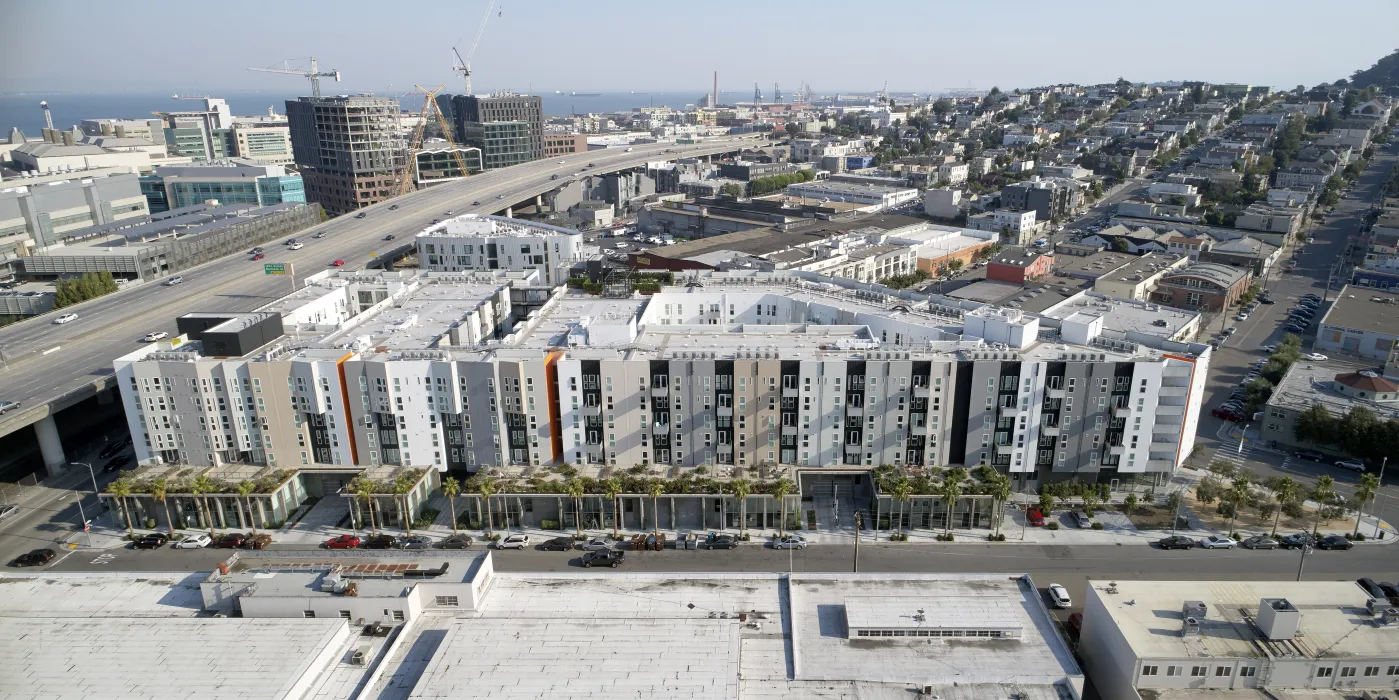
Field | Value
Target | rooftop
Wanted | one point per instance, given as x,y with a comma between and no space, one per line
1334,622
1222,275
1364,309
1092,266
1017,257
845,187
1130,317
1145,266
483,225
1308,383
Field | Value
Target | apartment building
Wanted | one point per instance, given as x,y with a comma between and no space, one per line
449,370
557,144
508,128
347,149
480,242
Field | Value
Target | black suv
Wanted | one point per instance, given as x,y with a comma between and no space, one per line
562,544
606,557
1334,542
1312,455
38,557
380,542
155,540
1176,542
1297,541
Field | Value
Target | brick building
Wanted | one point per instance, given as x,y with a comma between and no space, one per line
1019,265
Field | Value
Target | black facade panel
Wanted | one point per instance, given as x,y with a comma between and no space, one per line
961,405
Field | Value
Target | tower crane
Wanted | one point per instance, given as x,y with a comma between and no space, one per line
463,65
429,103
315,74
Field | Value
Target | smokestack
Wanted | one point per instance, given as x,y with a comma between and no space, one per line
48,118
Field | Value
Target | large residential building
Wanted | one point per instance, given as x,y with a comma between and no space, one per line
508,128
473,242
1361,322
40,211
347,149
1146,639
458,371
228,182
1015,227
1050,198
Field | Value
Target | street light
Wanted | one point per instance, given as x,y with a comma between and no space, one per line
1380,509
82,515
1301,560
96,492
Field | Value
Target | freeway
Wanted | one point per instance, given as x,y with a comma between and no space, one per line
81,352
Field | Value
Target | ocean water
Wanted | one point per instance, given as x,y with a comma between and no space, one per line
68,109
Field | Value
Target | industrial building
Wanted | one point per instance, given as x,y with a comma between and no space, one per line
41,211
1337,388
234,181
508,128
473,242
1361,322
347,148
872,197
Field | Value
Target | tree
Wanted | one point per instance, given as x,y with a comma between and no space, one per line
1129,503
159,488
450,488
1315,425
1046,502
1364,493
245,489
364,491
903,493
950,491
486,489
780,490
1119,244
401,488
742,488
574,488
655,488
1323,493
998,486
611,489
121,488
201,487
1284,492
1236,495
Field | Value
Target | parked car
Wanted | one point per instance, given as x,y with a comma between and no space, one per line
1074,625
610,557
1241,316
1270,349
1176,542
1035,517
1059,596
414,542
1334,542
1266,300
1354,465
342,542
233,540
380,542
1218,542
173,280
65,318
597,544
116,463
199,541
1391,591
7,510
1371,588
1080,519
37,557
1315,357
154,336
261,540
155,540
1312,455
513,542
789,542
1297,541
456,542
1259,542
721,542
559,544
1231,330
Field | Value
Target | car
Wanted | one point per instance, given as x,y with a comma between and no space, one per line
1311,240
628,150
289,241
65,318
1259,542
1034,517
338,263
1074,625
1371,588
296,246
233,540
611,557
1228,414
597,544
36,557
1312,455
435,221
590,165
8,509
8,406
1218,542
153,336
341,542
322,234
414,542
1059,596
1176,542
513,542
1354,465
477,204
500,196
1266,300
1242,316
1231,330
255,250
1294,328
360,215
393,207
456,542
1270,349
789,542
174,280
154,540
116,463
390,236
1334,542
1391,591
1080,519
447,213
199,541
1301,313
560,544
1315,357
1309,304
564,161
721,542
380,542
259,256
1313,297
1297,540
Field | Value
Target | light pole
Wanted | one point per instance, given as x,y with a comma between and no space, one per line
1380,509
1243,435
96,492
1301,560
858,520
82,516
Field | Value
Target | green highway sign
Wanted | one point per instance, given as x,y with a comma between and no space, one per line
274,268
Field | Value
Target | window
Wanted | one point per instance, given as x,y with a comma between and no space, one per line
344,614
1347,671
1249,671
398,615
1372,671
1223,671
308,613
1197,671
1325,672
446,601
1148,670
1174,670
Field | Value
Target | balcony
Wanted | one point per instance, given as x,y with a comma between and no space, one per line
1160,465
594,410
1173,391
920,391
1010,411
1122,412
1055,393
789,430
725,449
1004,449
1177,371
1166,409
1052,430
854,410
660,428
790,392
725,411
660,392
1117,449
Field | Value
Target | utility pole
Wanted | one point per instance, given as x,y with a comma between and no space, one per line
1383,461
858,519
1302,560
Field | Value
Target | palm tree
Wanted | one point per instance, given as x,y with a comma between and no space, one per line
201,488
1284,493
121,488
364,490
742,487
903,493
487,489
159,488
1364,493
1237,494
1323,493
401,488
611,489
655,488
574,488
450,488
951,490
780,491
245,488
999,489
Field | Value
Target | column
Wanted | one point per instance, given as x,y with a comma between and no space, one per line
50,445
509,213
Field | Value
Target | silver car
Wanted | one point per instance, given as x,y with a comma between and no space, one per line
789,542
597,544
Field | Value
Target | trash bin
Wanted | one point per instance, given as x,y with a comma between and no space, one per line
691,541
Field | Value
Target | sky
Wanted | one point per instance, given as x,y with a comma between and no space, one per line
609,45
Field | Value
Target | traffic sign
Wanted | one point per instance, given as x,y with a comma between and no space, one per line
274,268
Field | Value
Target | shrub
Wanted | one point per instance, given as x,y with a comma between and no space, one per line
426,518
1332,512
996,538
549,524
1266,509
896,537
1293,509
1052,526
1097,526
1225,509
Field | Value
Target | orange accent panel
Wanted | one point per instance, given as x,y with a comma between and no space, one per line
345,402
551,389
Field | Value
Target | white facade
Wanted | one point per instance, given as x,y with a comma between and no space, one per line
953,173
480,242
942,203
879,197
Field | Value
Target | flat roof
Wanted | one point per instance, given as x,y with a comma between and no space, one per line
994,611
1126,315
1093,266
1355,308
91,596
1144,266
1333,622
485,225
1307,382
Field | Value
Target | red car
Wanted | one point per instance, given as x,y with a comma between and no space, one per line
338,263
1035,517
233,540
342,542
259,256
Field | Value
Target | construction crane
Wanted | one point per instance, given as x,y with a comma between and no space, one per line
315,74
884,92
429,103
463,65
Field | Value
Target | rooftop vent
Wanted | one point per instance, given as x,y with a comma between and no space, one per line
1190,627
1194,608
1277,618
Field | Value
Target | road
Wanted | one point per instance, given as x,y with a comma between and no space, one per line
111,326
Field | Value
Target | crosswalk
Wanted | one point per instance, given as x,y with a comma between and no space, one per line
1232,454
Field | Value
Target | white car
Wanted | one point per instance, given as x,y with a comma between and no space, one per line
322,234
1314,356
513,542
1269,348
194,542
7,510
562,162
154,336
597,544
297,246
174,281
789,542
1060,596
1242,316
1217,542
66,318
1354,465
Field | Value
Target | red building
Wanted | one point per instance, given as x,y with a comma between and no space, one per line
1019,265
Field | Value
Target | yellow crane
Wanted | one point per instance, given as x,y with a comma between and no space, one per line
429,103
